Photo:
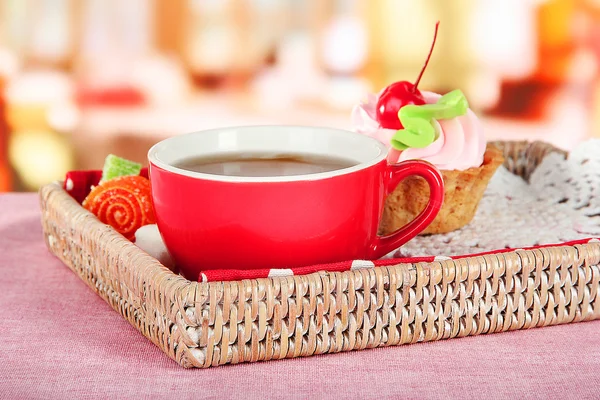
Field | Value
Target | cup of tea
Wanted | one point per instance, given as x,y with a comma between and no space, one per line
278,197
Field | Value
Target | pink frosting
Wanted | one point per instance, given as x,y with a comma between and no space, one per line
460,144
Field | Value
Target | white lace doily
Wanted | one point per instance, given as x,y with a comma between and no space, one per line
560,203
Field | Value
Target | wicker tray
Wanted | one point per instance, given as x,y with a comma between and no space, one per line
210,324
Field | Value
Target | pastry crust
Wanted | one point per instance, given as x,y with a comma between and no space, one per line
462,192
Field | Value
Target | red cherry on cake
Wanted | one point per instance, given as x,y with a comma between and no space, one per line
400,94
393,98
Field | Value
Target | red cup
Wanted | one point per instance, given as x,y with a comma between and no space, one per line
219,222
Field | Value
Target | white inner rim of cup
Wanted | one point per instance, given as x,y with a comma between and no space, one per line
365,151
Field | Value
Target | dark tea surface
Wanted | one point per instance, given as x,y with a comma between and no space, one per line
264,165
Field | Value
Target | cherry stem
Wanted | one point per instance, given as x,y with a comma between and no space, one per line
437,25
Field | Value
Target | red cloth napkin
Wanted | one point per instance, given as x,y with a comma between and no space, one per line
79,183
236,275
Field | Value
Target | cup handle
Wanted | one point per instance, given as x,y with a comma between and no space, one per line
395,173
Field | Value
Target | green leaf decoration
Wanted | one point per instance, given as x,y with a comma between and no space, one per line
419,131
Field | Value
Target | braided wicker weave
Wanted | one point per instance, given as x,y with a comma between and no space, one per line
210,324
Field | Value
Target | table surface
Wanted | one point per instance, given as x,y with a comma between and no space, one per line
61,341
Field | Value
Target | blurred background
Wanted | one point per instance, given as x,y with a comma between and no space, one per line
83,78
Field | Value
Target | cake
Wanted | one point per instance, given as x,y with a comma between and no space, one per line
442,130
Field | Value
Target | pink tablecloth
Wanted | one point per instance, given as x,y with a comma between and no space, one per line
59,340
